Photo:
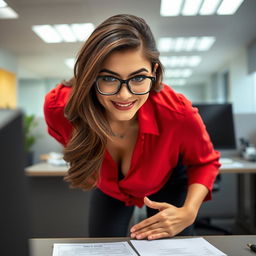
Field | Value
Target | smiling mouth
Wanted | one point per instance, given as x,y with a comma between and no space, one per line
123,106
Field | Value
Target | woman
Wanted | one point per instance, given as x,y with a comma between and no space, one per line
131,138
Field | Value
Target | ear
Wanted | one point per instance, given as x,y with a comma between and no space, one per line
156,65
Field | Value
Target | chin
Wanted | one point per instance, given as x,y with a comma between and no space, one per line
124,117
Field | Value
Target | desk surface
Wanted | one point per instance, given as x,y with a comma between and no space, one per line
44,169
231,245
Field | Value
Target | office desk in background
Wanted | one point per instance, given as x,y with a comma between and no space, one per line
51,197
231,245
44,169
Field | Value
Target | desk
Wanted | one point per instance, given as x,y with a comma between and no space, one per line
47,170
231,245
51,196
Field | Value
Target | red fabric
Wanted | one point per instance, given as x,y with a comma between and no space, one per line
169,128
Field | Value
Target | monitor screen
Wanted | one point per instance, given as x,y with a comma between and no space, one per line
218,119
13,190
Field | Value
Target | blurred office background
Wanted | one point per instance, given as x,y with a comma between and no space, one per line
208,49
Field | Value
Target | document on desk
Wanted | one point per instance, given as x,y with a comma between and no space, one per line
176,247
93,249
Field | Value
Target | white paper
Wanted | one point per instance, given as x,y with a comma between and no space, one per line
176,247
93,249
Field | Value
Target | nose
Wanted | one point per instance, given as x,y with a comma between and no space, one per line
124,93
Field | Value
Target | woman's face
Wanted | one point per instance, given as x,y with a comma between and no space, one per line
123,65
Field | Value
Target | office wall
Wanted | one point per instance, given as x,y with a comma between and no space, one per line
8,61
242,84
8,83
32,92
8,89
195,93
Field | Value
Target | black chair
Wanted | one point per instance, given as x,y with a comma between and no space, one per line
205,222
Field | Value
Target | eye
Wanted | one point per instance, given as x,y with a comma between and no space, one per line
108,79
138,78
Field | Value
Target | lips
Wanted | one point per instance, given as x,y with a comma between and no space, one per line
123,105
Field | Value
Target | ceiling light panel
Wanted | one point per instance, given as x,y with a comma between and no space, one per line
209,7
47,33
191,7
180,61
66,33
205,43
169,44
176,82
229,7
178,73
199,7
8,13
82,31
59,33
2,4
170,7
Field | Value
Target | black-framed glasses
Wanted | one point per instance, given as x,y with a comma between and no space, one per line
138,85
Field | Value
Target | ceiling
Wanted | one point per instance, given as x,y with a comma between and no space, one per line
47,60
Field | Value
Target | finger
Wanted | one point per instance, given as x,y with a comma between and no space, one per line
158,235
145,223
149,233
146,229
155,205
159,217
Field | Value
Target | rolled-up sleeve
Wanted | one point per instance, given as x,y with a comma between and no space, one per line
198,154
58,126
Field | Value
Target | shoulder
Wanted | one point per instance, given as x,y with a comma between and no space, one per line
169,101
58,96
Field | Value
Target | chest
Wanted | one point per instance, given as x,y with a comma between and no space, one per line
121,151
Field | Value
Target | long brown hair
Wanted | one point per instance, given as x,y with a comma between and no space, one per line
85,150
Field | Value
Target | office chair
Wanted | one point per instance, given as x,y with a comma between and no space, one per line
205,222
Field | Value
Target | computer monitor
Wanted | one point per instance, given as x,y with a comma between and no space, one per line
14,228
218,119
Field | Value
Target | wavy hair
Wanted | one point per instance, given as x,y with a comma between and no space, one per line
86,148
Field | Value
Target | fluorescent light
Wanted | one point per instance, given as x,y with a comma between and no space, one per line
176,73
165,44
229,7
190,45
65,32
179,44
205,43
47,33
168,44
70,62
180,61
191,7
176,82
170,7
209,7
194,61
82,31
2,4
8,13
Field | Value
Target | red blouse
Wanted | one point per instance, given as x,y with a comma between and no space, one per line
169,128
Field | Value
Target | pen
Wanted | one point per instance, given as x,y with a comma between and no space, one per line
252,247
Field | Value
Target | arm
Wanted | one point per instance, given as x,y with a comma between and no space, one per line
202,167
170,220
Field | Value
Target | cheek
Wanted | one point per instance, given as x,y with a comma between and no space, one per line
143,99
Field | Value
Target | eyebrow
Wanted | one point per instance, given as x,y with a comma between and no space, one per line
116,74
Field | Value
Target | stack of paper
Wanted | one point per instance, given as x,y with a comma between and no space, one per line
163,247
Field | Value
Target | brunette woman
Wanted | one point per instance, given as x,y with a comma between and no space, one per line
130,138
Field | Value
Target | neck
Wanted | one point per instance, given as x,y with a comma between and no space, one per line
121,129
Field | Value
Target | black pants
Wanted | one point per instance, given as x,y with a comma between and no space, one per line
109,217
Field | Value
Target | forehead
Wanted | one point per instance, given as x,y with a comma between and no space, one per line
126,61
